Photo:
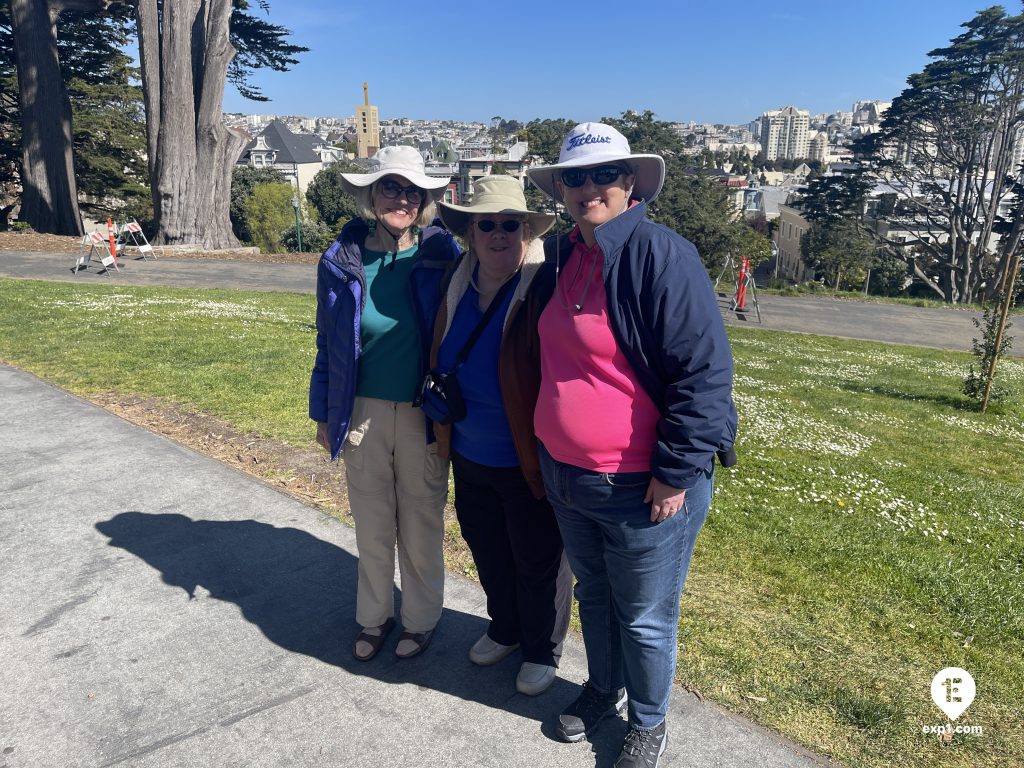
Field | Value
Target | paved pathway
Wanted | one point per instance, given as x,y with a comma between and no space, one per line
161,610
941,328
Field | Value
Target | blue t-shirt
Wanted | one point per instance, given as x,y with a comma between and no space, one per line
484,435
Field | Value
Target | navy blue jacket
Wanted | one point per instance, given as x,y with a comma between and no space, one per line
665,319
340,299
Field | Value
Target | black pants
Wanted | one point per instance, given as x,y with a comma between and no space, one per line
517,549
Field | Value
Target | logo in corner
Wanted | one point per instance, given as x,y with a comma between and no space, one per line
953,691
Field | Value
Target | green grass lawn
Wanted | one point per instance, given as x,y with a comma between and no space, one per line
871,535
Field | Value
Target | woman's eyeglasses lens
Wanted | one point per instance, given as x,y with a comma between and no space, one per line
602,175
392,190
488,225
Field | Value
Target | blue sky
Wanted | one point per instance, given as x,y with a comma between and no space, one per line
708,61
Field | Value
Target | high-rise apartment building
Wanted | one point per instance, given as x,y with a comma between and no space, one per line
784,133
367,127
817,147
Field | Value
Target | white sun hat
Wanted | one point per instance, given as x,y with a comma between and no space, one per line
403,161
598,144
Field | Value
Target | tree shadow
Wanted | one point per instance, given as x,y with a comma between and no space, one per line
300,592
956,402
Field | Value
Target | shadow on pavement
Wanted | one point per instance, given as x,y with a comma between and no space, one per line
300,592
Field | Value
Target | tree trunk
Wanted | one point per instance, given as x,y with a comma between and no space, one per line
185,53
49,198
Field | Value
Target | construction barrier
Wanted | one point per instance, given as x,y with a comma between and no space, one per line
97,246
130,233
113,240
740,301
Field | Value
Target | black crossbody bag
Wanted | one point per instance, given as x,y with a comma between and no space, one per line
440,396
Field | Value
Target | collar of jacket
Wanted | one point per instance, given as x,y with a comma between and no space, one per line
611,236
459,283
349,254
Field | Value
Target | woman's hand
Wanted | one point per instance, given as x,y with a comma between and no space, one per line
321,435
665,500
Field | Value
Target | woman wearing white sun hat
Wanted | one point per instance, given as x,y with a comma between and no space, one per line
378,290
634,402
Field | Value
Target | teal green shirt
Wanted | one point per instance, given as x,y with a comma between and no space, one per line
389,363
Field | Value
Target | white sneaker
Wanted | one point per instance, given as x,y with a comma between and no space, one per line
534,678
486,652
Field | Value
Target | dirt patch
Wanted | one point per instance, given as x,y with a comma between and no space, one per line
304,473
39,243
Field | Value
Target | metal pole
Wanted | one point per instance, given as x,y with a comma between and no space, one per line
298,224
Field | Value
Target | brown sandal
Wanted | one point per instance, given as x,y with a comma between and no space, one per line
420,641
375,642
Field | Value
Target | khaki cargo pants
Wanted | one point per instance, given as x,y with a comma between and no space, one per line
397,487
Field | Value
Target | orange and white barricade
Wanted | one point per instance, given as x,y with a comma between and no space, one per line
745,288
97,245
130,233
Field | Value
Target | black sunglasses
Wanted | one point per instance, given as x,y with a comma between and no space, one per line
488,225
392,190
601,175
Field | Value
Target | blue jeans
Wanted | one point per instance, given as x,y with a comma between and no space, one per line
629,577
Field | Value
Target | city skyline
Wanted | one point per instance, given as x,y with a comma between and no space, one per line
732,66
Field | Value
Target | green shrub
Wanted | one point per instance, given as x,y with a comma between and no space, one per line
269,212
316,237
326,194
244,180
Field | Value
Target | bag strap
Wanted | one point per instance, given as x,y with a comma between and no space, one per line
496,302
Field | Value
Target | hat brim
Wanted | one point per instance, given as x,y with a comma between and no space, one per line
433,185
648,170
457,217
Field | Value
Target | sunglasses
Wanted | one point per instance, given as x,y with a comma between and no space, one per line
601,175
392,190
489,225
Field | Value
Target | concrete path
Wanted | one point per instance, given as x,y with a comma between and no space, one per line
184,273
940,328
160,609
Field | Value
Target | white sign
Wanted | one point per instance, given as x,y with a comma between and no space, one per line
953,691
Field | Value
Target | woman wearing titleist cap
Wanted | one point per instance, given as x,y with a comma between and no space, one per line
378,290
634,401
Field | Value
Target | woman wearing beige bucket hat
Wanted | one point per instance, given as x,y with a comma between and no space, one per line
499,493
634,403
378,290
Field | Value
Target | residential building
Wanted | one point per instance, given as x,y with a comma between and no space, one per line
1017,156
512,163
817,148
784,133
869,112
367,127
789,259
299,156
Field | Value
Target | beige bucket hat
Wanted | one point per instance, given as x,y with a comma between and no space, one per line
495,194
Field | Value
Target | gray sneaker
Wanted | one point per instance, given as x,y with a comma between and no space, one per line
642,749
591,707
486,652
